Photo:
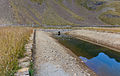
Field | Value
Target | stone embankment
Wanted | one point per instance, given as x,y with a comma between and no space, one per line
24,63
53,59
106,39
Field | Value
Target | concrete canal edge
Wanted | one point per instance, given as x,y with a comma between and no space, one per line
93,41
50,52
27,63
78,60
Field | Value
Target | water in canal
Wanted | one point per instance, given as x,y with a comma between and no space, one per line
103,61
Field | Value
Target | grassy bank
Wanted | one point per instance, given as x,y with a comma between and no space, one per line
12,41
102,29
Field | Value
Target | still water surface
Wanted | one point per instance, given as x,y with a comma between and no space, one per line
103,61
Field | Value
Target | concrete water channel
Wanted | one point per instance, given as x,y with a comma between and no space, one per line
103,61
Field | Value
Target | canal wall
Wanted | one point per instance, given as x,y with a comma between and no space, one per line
105,39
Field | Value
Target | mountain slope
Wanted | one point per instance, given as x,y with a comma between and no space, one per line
57,12
6,15
108,10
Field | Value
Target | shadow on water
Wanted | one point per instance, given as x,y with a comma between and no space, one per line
103,61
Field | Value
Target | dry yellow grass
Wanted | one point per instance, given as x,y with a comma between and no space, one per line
113,30
12,41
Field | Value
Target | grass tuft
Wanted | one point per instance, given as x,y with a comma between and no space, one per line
12,41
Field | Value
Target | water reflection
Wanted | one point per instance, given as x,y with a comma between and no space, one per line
103,65
103,61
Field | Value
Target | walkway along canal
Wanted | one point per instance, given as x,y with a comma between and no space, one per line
103,61
53,59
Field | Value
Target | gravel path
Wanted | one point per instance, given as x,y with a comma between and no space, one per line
52,59
110,40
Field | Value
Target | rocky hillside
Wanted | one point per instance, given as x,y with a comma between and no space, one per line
6,15
60,12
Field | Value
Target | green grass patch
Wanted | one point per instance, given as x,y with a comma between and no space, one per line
110,20
116,5
31,69
115,15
